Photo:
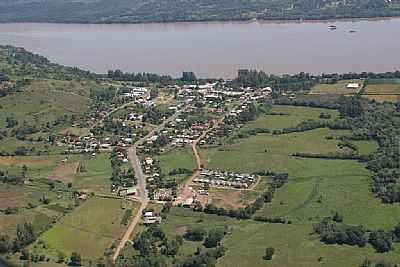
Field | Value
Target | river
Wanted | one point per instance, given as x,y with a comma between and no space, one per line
215,49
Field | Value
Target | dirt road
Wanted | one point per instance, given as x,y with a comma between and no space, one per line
141,178
130,229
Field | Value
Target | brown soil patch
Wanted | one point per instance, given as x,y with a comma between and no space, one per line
228,199
181,230
65,172
11,196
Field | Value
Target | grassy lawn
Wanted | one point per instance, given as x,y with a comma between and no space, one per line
96,175
338,88
89,229
295,115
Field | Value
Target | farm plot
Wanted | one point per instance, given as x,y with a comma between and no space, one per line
339,88
95,174
89,229
383,90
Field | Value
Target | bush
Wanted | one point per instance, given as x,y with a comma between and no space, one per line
269,253
195,234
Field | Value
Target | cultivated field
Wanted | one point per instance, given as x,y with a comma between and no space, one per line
338,88
383,90
90,229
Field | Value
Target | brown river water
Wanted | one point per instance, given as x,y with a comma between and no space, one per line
215,49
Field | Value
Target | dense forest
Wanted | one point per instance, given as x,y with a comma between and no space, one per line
145,11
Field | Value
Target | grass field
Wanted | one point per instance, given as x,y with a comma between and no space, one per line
365,147
294,116
96,176
177,158
9,145
19,196
294,247
338,88
246,241
266,151
46,100
89,229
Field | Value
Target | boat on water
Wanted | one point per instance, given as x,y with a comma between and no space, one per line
352,31
332,27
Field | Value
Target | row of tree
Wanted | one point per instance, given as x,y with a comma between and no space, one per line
333,231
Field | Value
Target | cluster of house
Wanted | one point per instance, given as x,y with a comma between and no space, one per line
150,218
163,194
135,92
126,192
225,179
92,144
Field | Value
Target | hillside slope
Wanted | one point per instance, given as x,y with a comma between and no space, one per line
145,11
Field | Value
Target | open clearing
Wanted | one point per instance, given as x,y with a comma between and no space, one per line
89,229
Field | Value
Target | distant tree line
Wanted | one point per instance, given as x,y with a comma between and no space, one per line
144,77
301,81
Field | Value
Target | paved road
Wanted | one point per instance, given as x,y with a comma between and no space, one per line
141,178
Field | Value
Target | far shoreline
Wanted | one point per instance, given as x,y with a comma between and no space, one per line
247,21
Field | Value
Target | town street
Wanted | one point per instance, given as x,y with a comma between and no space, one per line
141,182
